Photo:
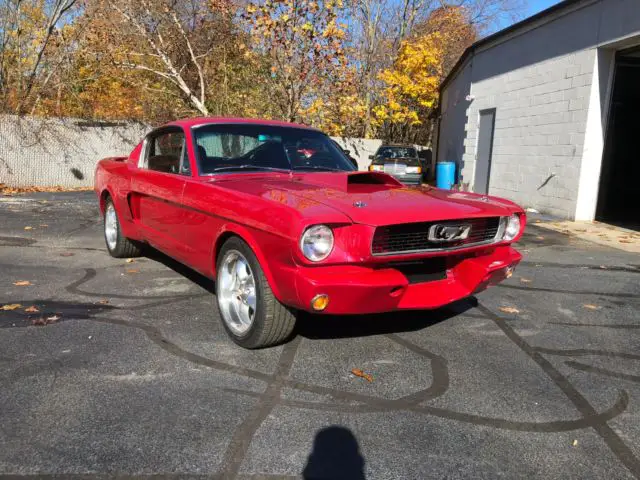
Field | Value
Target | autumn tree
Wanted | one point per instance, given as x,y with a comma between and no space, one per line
36,38
411,84
363,68
179,43
303,42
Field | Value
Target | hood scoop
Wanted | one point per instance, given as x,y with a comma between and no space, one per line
372,178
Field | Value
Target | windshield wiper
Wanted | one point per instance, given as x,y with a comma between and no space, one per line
317,167
248,167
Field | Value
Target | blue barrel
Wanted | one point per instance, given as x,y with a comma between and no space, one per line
445,175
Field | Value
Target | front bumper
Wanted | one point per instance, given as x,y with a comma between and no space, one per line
358,289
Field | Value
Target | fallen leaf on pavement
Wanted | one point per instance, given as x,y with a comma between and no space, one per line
132,270
22,283
103,302
359,373
525,280
11,306
591,306
28,228
42,321
32,309
509,310
575,443
7,190
129,260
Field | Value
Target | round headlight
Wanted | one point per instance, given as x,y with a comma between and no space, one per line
316,242
513,227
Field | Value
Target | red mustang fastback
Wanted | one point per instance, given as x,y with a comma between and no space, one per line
277,215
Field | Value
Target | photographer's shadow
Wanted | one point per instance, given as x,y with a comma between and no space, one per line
335,455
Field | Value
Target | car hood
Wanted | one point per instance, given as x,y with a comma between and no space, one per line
372,198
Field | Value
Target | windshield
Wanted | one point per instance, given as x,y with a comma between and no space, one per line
247,147
397,152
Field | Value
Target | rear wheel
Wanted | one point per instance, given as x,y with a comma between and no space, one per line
117,245
250,313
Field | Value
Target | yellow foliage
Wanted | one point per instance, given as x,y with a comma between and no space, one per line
411,84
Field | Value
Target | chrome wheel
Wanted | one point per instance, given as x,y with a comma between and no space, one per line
236,289
111,226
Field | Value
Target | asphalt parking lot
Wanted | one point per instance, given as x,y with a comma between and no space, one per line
125,369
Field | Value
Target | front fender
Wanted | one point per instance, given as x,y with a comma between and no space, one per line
273,252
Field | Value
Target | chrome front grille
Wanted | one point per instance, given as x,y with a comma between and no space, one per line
414,237
395,168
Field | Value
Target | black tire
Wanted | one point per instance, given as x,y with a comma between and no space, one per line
123,248
273,322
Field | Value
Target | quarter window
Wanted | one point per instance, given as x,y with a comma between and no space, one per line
165,152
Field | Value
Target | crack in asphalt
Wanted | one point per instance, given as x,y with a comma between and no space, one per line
577,352
603,371
243,435
583,266
633,296
617,446
598,325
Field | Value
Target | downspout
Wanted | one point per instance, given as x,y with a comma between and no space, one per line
434,156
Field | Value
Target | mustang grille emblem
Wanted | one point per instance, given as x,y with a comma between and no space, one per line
448,233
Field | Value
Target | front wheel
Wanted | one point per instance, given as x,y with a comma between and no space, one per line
250,313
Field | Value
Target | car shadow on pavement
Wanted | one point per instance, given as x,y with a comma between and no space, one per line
323,327
314,326
335,455
181,269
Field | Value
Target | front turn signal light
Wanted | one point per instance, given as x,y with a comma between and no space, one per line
320,302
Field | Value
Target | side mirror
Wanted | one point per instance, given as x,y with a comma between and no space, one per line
370,157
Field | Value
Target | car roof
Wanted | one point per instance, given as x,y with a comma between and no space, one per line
194,122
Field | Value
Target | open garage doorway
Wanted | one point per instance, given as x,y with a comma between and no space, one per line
619,192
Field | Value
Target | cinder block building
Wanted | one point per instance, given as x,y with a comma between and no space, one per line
547,112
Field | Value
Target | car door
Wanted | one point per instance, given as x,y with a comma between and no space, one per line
206,204
157,187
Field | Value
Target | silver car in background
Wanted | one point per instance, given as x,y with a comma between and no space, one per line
400,161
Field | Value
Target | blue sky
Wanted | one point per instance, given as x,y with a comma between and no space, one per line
536,6
532,7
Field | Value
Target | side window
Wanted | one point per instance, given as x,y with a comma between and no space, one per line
165,152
